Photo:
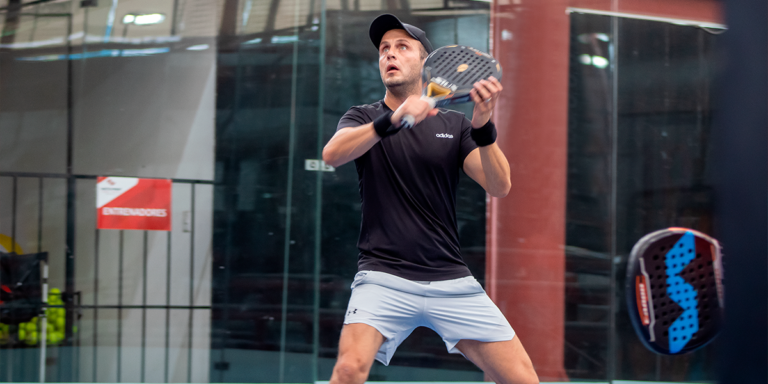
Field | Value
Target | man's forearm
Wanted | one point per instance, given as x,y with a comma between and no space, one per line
496,170
349,144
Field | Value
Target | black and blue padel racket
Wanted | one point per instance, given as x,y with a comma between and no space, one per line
449,74
675,291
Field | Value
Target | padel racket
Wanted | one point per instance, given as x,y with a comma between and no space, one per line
449,74
675,291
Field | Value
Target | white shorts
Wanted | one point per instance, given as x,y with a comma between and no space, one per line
456,309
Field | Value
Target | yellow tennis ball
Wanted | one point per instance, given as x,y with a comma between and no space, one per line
32,327
54,291
22,334
60,323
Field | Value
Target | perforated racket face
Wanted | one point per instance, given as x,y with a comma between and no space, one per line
674,290
450,72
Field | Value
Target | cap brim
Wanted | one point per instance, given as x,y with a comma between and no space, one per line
384,24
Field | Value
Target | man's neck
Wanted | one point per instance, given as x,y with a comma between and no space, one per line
395,99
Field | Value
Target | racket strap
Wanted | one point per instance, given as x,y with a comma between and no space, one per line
485,135
383,125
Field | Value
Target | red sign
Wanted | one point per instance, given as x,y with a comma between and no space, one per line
133,203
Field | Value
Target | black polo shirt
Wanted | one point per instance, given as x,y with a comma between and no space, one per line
408,187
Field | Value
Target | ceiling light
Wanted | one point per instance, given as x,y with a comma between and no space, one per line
599,61
200,47
128,19
152,18
284,39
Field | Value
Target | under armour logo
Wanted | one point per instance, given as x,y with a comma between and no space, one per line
352,312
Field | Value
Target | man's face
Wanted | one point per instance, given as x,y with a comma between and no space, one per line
399,59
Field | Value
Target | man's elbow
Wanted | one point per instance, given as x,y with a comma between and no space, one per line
329,157
502,190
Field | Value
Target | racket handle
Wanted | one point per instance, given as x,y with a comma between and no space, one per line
408,121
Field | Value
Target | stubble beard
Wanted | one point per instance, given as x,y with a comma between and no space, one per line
402,88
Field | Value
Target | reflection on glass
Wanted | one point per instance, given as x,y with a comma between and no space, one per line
638,160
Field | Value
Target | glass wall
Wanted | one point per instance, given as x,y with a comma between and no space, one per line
639,160
286,227
233,101
86,92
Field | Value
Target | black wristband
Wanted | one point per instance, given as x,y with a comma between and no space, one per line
383,125
485,135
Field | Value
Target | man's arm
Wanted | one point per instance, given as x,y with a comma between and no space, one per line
349,144
352,142
487,165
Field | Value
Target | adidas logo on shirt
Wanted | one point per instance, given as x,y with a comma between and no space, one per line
444,135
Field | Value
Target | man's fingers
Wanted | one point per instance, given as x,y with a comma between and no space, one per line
496,83
433,112
475,97
482,90
491,87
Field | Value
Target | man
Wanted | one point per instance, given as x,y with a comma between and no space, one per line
411,271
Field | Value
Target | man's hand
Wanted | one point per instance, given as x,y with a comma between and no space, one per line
484,94
415,107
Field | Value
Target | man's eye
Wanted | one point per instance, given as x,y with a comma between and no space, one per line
403,47
385,50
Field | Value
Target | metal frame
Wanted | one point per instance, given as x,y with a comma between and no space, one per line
73,306
696,23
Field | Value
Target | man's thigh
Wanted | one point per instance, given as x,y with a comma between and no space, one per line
506,362
361,341
358,346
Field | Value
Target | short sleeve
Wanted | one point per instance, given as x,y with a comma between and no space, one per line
467,144
354,117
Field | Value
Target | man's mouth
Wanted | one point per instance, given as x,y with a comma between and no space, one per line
392,67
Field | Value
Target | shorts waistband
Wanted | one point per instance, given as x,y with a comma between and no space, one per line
463,286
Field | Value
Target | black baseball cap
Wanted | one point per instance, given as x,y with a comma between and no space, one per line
387,22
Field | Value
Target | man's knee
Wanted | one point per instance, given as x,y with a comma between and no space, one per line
350,370
523,374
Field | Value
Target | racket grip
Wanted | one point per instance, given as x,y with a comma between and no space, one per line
408,120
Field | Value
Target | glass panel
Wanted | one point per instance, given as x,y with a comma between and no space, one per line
143,94
588,216
267,200
33,124
645,169
663,162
